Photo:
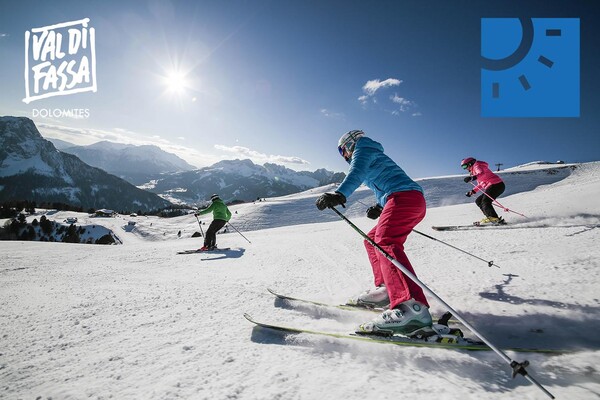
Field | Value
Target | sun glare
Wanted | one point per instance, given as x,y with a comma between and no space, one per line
175,82
179,84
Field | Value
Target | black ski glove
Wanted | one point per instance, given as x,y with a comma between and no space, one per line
469,179
470,193
330,200
374,212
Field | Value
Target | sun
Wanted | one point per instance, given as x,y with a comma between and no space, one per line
179,84
176,82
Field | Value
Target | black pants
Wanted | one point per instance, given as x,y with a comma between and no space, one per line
210,240
485,203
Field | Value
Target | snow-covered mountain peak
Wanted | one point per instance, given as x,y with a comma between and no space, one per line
238,180
31,168
108,146
136,164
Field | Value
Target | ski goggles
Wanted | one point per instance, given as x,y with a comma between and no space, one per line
465,166
344,153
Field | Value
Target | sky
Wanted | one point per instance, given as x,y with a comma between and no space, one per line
282,81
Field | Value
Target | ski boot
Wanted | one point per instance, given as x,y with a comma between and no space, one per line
371,298
490,221
410,318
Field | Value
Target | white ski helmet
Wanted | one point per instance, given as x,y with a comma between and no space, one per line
348,141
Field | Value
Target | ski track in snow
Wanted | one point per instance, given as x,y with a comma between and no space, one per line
138,321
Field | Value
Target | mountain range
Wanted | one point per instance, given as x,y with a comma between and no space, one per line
167,175
135,164
31,168
152,169
240,180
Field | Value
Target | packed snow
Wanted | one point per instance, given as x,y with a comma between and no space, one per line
138,320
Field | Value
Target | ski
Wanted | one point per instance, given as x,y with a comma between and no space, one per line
467,227
440,341
202,251
347,307
189,251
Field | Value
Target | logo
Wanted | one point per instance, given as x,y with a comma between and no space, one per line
530,67
60,60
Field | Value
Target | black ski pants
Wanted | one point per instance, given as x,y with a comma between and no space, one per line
210,240
485,203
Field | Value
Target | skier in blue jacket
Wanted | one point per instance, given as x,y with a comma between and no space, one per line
400,207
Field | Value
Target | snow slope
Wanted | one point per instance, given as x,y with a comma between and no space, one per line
139,321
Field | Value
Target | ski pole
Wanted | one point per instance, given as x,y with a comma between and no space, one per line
489,263
229,223
200,225
498,203
517,367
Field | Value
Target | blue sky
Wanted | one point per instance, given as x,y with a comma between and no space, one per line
281,81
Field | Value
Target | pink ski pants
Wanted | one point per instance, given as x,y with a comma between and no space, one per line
402,212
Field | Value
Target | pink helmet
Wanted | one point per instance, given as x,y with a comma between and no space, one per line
467,162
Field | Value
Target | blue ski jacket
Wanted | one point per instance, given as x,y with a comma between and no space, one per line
369,165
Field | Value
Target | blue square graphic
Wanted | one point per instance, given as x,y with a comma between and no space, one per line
530,67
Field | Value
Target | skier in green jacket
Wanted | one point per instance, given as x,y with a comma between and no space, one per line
221,215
